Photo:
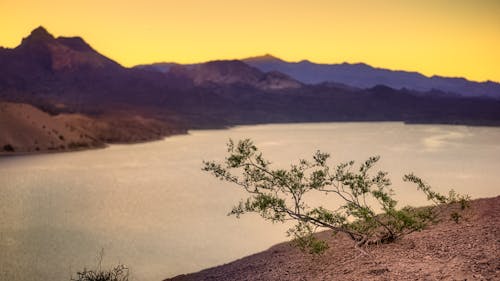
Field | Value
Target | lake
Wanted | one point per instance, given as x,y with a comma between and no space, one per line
150,206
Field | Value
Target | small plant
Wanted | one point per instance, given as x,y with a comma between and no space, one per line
278,195
455,216
8,148
117,273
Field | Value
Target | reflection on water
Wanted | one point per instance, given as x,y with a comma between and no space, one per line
439,137
150,206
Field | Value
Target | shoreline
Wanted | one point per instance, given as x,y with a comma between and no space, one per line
104,145
4,154
185,131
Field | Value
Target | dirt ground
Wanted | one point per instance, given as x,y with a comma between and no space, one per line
469,250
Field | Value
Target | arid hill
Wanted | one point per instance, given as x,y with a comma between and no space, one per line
28,129
468,250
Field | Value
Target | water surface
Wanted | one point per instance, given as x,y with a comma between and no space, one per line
149,205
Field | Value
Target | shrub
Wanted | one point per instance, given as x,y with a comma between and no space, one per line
278,195
78,145
8,148
117,273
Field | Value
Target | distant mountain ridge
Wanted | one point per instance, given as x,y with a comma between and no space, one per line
365,76
234,72
66,76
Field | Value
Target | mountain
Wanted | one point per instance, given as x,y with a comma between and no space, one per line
65,76
62,53
234,72
67,79
365,76
68,72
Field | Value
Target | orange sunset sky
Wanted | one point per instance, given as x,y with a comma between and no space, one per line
445,37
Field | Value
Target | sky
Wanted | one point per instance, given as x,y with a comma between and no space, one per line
458,38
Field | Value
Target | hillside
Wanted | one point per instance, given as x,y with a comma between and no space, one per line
445,251
28,129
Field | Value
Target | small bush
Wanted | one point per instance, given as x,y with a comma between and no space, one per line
118,273
8,148
77,145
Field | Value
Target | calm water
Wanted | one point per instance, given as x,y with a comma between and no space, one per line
149,205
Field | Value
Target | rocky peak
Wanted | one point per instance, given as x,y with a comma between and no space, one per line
38,35
263,58
63,53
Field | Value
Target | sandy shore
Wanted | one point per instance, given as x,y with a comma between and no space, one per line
469,250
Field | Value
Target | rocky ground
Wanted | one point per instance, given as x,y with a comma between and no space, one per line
469,250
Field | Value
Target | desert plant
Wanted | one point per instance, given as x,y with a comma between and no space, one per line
117,273
8,148
368,214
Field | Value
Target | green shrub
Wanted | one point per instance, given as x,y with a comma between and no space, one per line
278,195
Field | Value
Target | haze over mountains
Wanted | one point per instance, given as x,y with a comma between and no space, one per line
66,77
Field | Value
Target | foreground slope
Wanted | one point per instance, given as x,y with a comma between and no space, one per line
445,251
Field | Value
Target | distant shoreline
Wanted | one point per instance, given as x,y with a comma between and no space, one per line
104,145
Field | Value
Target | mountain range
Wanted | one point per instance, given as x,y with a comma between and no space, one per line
104,102
363,76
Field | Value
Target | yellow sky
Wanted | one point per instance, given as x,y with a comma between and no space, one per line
445,37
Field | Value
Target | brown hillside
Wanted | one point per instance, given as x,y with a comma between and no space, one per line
468,250
25,128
